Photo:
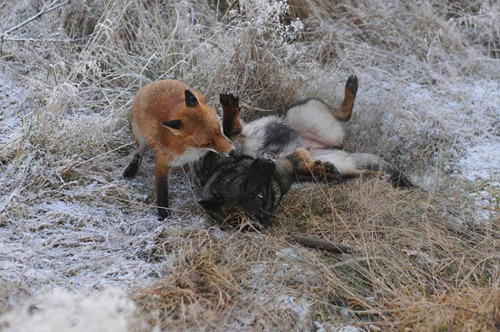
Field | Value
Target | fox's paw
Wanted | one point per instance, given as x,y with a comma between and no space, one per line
229,100
325,171
352,84
130,171
164,213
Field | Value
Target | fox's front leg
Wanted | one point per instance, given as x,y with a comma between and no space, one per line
162,170
231,124
308,169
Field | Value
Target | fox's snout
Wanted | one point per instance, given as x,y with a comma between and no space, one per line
230,153
224,147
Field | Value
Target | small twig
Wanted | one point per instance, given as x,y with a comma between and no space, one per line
252,108
338,248
49,8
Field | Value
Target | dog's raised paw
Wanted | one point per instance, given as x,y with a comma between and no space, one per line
352,84
229,100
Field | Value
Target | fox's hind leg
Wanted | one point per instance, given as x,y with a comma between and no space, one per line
308,169
134,165
231,124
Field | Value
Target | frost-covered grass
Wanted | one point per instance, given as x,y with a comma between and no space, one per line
79,245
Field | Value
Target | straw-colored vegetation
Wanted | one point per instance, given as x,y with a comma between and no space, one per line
426,259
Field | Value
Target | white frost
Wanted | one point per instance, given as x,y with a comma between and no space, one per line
61,310
482,162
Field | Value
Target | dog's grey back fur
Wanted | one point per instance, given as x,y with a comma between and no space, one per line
269,134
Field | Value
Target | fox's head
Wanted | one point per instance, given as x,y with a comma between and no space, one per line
197,125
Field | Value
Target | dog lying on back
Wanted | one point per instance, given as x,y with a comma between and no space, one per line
273,152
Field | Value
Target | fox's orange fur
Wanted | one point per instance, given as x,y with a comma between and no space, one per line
175,121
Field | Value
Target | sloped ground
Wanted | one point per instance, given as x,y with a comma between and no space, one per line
81,247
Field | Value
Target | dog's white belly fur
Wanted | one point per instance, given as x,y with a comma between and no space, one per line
316,125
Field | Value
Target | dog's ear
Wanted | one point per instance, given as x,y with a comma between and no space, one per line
212,205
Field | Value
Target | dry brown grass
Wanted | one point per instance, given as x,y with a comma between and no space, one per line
413,268
423,262
467,309
411,258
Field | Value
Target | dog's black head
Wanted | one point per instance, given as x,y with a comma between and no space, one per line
246,188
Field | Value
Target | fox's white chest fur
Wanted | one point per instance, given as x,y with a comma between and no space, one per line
190,155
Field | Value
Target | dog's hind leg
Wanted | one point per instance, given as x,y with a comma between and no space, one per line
344,111
319,125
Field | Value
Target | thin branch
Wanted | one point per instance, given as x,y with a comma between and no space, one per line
337,248
49,8
252,108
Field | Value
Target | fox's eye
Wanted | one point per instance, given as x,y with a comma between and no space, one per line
206,145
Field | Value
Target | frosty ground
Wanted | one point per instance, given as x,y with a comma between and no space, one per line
81,247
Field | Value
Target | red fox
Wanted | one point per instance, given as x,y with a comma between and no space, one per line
174,120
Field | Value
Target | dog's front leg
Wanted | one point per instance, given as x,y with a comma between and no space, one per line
308,169
231,124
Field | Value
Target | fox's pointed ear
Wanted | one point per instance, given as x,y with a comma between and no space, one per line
173,125
213,205
190,98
